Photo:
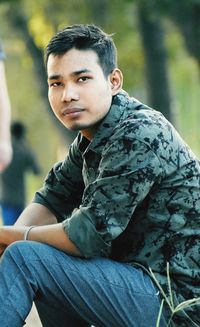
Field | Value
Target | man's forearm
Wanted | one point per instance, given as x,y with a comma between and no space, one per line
53,235
46,229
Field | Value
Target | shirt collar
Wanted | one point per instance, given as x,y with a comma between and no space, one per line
105,130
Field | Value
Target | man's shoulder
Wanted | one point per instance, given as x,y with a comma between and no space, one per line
142,122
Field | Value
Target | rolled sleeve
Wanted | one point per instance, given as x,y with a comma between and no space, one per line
81,231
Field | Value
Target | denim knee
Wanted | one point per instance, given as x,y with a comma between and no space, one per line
17,285
16,249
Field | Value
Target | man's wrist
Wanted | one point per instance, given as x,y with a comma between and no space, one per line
27,231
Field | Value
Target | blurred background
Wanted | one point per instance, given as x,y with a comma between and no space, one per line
158,45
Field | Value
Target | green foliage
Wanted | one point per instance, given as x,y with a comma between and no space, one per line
10,1
160,314
168,5
169,299
44,17
40,28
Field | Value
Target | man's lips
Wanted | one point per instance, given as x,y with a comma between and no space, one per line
72,111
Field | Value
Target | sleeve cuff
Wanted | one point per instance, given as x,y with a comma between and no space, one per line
81,231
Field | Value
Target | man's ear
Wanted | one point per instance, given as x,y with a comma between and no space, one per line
116,80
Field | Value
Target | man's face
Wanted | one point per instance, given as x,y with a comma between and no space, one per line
79,93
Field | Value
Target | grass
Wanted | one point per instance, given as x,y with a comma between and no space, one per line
169,300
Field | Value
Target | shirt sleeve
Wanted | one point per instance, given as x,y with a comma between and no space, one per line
127,172
63,187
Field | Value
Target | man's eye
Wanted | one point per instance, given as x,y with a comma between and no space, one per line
83,79
55,84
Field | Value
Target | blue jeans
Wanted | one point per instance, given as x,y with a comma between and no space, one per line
75,292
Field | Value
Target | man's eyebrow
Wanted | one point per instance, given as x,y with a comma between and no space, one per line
54,77
81,71
75,73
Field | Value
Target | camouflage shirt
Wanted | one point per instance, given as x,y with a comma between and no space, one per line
133,194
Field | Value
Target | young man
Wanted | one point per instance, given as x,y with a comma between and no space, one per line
125,199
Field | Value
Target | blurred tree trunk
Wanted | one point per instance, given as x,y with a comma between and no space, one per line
186,15
20,22
99,11
152,34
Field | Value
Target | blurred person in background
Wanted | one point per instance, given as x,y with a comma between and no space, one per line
12,179
5,142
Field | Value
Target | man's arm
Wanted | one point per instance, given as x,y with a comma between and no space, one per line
36,214
5,143
46,230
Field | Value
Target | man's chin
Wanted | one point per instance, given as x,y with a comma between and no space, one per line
73,128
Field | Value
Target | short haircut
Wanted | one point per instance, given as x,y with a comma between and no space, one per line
85,37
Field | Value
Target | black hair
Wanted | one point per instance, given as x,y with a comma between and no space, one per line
85,37
18,129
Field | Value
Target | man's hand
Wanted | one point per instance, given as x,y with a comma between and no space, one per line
2,249
10,234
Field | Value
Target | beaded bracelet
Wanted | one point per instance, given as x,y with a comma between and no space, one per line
27,231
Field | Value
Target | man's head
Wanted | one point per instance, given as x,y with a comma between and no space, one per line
85,37
82,77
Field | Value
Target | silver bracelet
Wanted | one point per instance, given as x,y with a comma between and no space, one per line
27,231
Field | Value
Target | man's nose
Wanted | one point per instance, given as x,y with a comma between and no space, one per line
70,93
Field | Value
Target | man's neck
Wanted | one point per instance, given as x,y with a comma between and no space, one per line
89,132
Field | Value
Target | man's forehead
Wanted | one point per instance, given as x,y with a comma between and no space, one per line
73,62
74,55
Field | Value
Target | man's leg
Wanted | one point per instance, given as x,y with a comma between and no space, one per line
74,292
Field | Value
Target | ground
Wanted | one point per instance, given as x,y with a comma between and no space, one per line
33,319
